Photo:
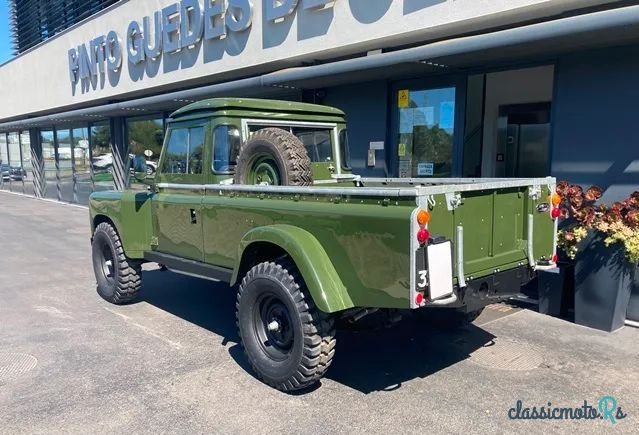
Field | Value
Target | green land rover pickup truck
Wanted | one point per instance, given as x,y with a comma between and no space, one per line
259,194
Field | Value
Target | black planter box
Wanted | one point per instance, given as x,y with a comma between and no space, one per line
556,290
603,283
633,304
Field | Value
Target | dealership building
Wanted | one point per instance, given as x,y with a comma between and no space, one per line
430,88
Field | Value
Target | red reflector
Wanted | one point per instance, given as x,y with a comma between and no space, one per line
555,213
419,298
423,235
555,258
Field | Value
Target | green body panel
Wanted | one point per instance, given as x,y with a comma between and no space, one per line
130,211
172,223
367,243
493,224
321,277
251,107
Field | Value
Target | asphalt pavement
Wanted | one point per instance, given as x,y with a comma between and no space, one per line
170,363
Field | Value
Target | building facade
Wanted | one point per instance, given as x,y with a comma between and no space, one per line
35,21
431,88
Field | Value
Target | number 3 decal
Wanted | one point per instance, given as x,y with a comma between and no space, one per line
423,279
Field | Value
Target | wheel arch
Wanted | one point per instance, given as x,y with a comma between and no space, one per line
274,241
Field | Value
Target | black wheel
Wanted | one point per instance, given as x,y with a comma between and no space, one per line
118,278
275,157
288,341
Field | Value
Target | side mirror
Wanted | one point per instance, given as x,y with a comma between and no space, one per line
139,168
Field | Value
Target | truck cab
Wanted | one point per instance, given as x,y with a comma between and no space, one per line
227,123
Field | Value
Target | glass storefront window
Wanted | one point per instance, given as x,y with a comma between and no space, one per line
4,163
144,138
16,177
65,163
27,164
102,157
48,157
80,146
426,131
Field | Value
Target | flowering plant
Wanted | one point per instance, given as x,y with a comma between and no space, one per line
619,222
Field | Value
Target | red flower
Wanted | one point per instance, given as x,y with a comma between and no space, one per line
575,191
633,218
577,201
562,189
564,213
593,194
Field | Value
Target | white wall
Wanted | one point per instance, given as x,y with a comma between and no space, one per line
38,80
530,85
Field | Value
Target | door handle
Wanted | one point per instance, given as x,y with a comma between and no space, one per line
193,216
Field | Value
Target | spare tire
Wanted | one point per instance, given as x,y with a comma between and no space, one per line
275,157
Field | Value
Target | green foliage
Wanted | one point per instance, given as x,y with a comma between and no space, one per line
145,135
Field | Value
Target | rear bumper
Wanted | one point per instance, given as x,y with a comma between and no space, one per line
487,290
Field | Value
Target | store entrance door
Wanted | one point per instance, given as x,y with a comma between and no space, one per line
524,133
426,132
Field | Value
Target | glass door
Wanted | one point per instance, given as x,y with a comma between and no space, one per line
426,132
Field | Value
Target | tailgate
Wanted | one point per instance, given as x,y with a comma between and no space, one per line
494,228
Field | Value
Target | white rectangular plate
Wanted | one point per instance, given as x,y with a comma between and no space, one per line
440,270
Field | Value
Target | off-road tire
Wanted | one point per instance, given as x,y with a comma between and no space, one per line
313,332
286,151
125,279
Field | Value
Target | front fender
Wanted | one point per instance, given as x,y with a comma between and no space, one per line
130,212
317,270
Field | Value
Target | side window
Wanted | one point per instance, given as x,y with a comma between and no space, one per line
226,147
184,151
177,151
196,150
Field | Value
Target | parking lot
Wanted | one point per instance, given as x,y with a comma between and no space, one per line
171,362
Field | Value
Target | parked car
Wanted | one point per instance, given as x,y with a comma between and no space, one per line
104,162
12,173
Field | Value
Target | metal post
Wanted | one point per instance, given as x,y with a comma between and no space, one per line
120,158
91,173
37,166
57,164
6,138
6,148
21,161
73,175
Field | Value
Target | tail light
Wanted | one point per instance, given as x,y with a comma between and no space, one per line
555,213
555,199
423,217
423,235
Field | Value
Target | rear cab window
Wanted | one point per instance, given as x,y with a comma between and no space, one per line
318,141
